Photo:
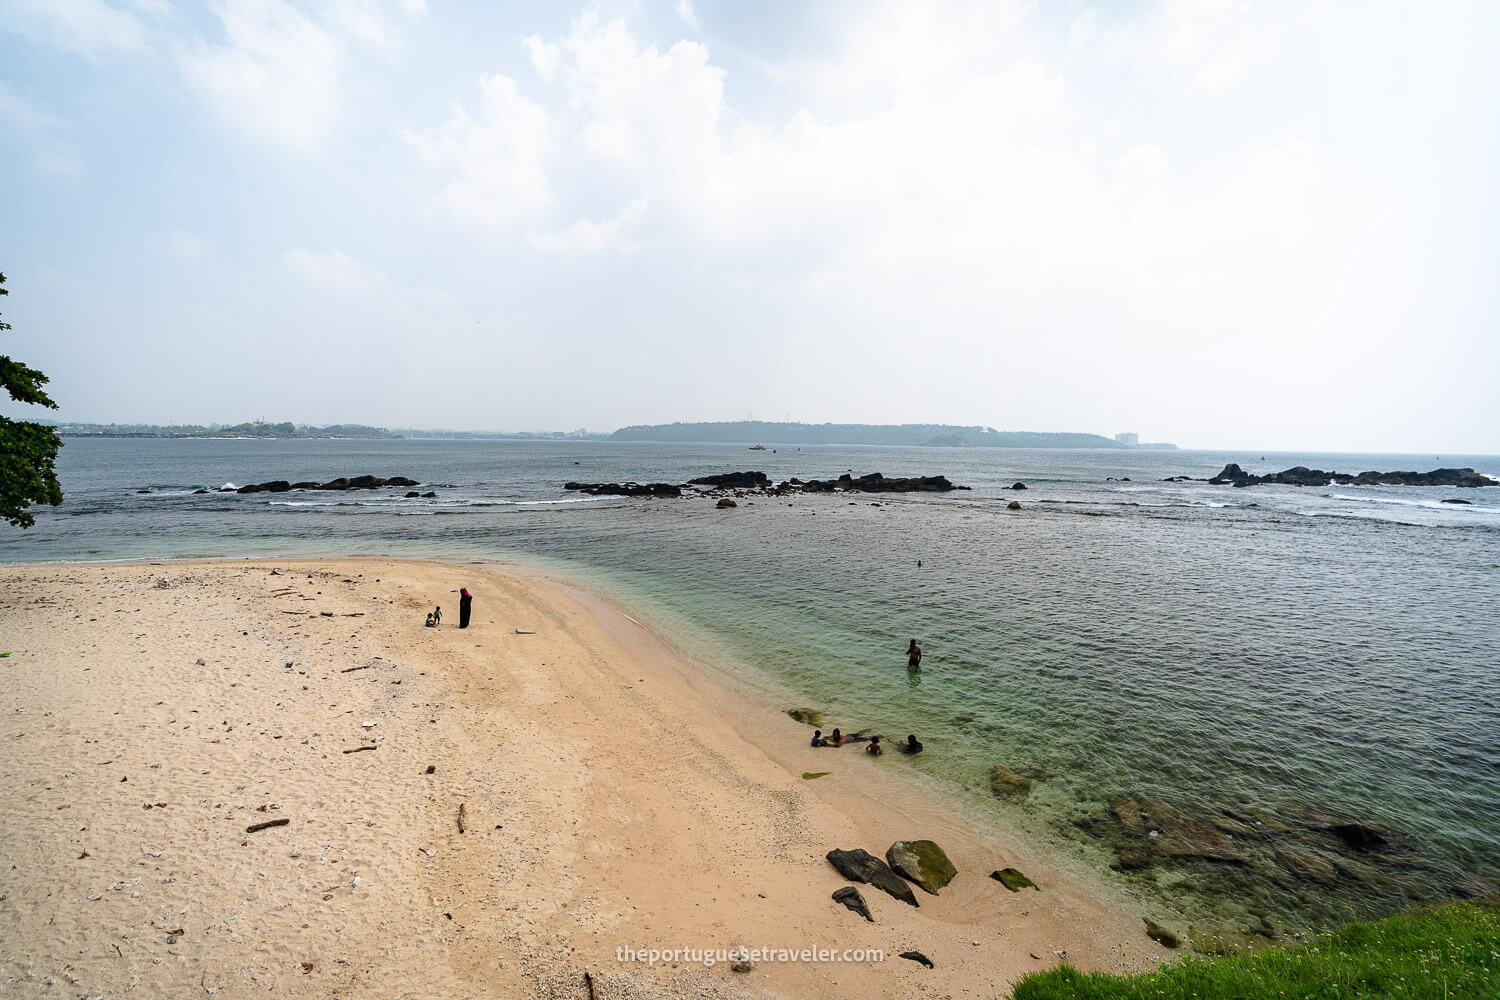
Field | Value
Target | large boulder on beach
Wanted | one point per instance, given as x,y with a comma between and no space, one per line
1006,783
859,865
923,862
725,502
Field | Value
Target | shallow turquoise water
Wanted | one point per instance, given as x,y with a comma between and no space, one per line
1269,648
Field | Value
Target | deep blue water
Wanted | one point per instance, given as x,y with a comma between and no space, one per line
1263,649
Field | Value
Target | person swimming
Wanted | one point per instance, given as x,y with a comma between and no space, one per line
838,739
912,745
874,749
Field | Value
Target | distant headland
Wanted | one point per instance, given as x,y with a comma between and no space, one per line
749,432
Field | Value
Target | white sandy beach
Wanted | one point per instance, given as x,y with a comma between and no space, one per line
613,795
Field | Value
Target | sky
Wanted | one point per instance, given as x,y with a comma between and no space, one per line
1219,223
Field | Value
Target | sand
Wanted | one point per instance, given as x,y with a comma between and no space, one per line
613,796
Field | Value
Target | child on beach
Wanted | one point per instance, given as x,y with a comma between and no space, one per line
818,740
874,749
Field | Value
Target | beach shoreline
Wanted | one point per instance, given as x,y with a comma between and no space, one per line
615,796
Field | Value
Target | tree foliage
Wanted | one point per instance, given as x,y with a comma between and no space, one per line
28,451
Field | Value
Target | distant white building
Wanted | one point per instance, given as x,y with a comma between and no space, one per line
1128,438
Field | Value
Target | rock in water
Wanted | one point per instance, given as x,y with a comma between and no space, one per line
1160,934
1004,781
859,865
726,502
807,716
1013,505
1013,880
923,862
734,481
1307,864
1019,486
1184,836
851,898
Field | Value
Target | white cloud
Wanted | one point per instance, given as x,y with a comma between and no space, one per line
543,56
181,243
86,27
333,271
685,11
497,157
279,72
275,77
587,236
41,131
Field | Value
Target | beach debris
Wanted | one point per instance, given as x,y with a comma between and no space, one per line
431,768
202,662
1005,782
917,956
810,775
256,827
525,631
743,965
370,746
326,614
851,898
806,716
923,862
362,666
861,866
1160,934
588,983
463,817
306,967
1013,880
367,725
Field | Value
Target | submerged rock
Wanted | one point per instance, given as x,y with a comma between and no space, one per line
807,716
923,862
851,898
1005,782
1013,505
1306,864
1013,880
861,866
1160,934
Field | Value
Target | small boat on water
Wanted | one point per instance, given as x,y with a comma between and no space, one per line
757,447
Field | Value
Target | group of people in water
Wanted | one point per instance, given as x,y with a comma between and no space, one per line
909,746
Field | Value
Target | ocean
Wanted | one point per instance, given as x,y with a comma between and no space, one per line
1282,665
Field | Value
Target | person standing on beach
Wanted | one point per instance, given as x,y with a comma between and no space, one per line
465,605
914,655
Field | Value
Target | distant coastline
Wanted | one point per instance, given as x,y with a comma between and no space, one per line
751,432
746,432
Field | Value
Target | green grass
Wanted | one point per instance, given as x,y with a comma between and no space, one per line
1447,952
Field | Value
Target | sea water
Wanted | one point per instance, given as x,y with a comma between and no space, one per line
1234,652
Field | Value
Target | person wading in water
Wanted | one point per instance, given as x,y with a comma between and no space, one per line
913,655
465,605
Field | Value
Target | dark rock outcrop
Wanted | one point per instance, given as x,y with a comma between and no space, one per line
1019,486
1457,500
875,482
342,483
1301,475
861,866
923,862
734,481
725,502
626,489
851,898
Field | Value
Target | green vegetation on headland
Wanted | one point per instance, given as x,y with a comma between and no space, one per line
1436,953
251,429
929,435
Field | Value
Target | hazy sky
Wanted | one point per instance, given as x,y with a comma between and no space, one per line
1219,223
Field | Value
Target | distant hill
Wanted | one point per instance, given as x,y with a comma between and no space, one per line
254,429
932,435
